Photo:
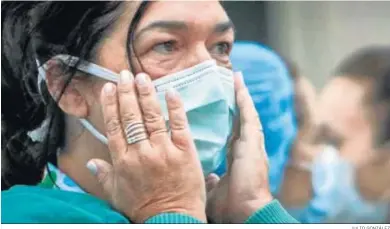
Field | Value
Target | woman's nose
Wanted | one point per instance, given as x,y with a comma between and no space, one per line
197,55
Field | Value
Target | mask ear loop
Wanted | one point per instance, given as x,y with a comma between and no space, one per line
86,67
36,135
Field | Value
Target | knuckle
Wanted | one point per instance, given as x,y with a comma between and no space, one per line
152,116
128,117
145,90
109,100
155,125
121,165
182,142
112,126
178,123
125,88
103,177
152,160
174,104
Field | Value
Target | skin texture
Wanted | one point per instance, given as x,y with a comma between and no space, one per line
166,169
161,51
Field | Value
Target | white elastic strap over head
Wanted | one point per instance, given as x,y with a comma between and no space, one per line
90,68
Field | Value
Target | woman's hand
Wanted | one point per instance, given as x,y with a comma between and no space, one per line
245,188
152,171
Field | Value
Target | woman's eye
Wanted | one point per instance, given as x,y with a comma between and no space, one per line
165,47
222,48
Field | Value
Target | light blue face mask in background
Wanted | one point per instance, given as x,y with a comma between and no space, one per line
207,92
271,89
335,196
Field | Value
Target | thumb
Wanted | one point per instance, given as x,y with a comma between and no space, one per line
102,171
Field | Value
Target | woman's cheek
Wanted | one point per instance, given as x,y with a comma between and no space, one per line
158,67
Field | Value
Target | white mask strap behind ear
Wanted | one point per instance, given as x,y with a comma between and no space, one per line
90,68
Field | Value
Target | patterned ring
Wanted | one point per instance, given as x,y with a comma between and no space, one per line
135,132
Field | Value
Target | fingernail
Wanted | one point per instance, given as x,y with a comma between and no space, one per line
212,177
109,88
92,167
126,76
172,93
141,79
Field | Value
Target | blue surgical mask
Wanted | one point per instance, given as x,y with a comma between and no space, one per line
336,198
207,92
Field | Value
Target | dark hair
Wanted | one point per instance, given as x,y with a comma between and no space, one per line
365,63
371,64
41,30
381,99
292,68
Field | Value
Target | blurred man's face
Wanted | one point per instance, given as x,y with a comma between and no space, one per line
343,119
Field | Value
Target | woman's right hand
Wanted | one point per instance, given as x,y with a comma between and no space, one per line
159,174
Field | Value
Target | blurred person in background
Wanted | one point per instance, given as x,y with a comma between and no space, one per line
374,170
349,182
302,151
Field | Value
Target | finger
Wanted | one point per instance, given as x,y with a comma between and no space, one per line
180,132
217,207
249,118
103,172
130,112
212,181
151,110
116,140
233,139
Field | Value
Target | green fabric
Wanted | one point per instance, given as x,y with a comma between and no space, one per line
272,213
37,204
172,217
34,204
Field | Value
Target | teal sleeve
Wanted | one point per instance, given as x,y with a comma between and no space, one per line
272,213
172,218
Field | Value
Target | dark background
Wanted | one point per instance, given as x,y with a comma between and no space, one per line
249,19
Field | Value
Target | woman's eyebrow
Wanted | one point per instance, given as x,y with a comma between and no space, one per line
326,134
221,27
168,25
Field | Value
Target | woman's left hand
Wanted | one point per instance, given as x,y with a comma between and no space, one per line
245,188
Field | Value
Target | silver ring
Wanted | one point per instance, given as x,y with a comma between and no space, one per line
135,132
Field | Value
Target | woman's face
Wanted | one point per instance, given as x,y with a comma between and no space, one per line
171,36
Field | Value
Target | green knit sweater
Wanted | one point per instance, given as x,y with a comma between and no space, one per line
33,204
